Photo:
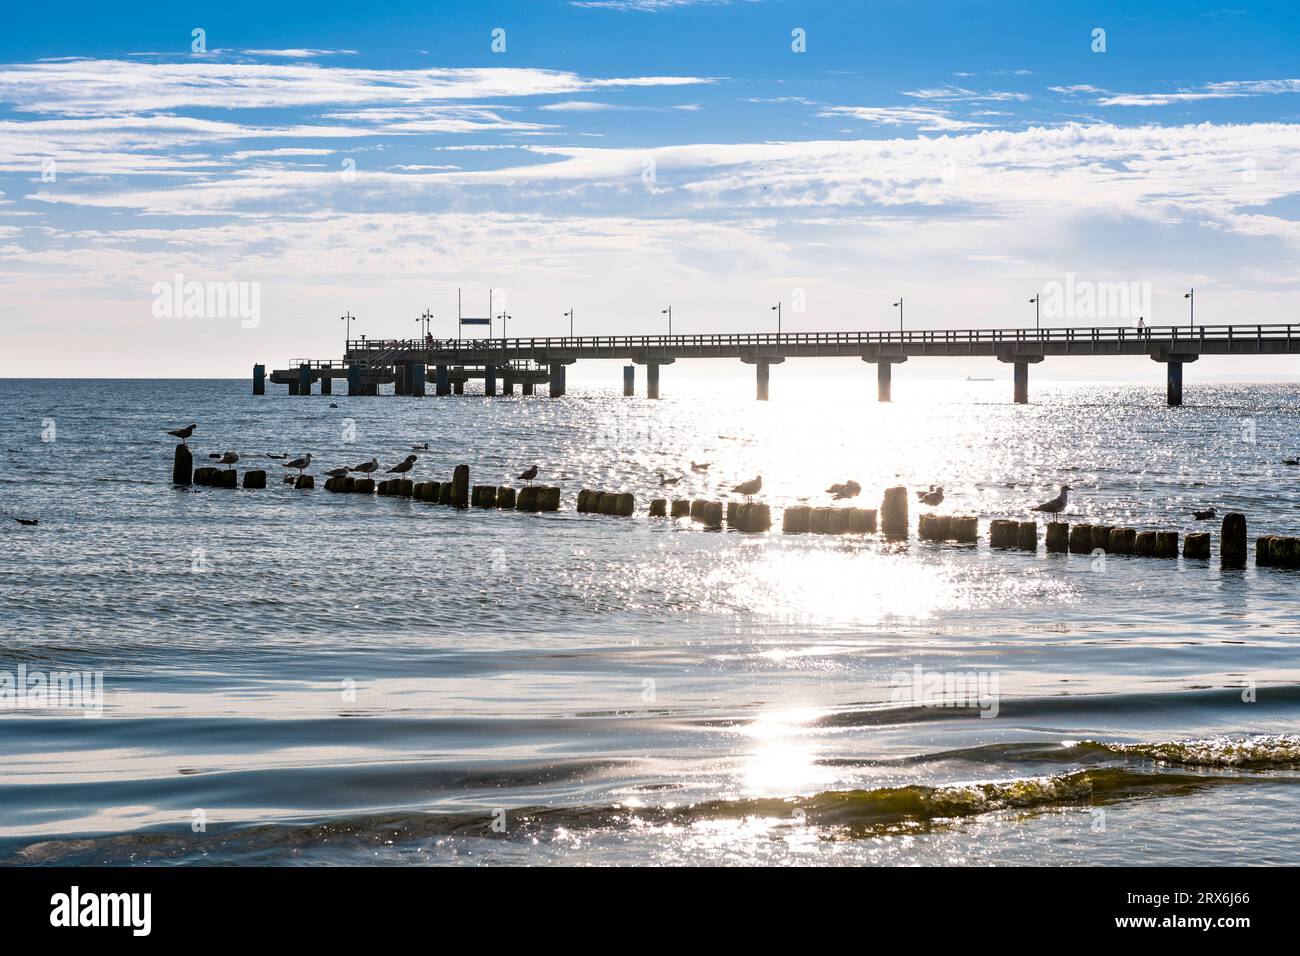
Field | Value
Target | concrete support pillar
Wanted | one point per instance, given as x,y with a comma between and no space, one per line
629,380
441,380
1021,387
304,380
651,381
458,386
762,369
528,387
1174,362
884,381
354,380
557,380
400,373
507,384
489,379
326,385
259,379
294,387
417,378
372,389
1174,389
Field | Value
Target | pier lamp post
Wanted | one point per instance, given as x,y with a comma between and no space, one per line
668,312
777,309
899,306
426,324
349,318
502,316
1190,296
1037,309
569,315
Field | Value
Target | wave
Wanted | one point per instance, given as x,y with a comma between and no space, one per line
830,815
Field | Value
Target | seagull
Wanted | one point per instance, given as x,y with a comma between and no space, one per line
1206,515
28,521
922,494
933,498
700,466
279,457
229,458
184,433
299,463
665,480
403,467
529,474
1286,461
337,472
1056,505
368,468
749,488
849,489
423,446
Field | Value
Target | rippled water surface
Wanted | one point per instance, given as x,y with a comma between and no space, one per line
310,677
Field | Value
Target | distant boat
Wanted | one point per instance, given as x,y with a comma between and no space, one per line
972,378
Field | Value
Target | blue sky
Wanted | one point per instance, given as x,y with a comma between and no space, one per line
617,157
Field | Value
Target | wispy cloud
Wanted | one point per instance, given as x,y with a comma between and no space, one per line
100,87
922,117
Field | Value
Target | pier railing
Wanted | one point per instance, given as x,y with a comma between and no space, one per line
1123,335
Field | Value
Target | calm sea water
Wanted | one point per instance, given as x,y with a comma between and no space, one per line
304,677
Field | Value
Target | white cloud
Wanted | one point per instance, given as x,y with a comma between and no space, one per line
100,87
299,54
922,117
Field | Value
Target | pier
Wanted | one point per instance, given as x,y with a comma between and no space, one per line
412,365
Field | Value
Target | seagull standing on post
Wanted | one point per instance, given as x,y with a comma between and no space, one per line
184,433
749,488
402,467
368,468
299,463
1056,505
528,474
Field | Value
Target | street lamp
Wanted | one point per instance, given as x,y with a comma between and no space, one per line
1037,309
347,317
668,312
569,315
899,306
502,316
1190,296
777,309
425,321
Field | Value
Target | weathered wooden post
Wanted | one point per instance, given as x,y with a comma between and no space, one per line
255,479
893,512
1263,550
1122,541
659,508
819,520
505,497
1027,536
1197,545
1058,537
1166,544
460,487
1081,539
1101,537
681,508
183,466
962,528
1232,544
1144,545
795,520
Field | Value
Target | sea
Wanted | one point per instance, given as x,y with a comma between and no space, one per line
298,677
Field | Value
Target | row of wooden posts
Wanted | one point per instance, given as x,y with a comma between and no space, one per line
891,519
457,493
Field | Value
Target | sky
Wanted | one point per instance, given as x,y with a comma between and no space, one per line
616,157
